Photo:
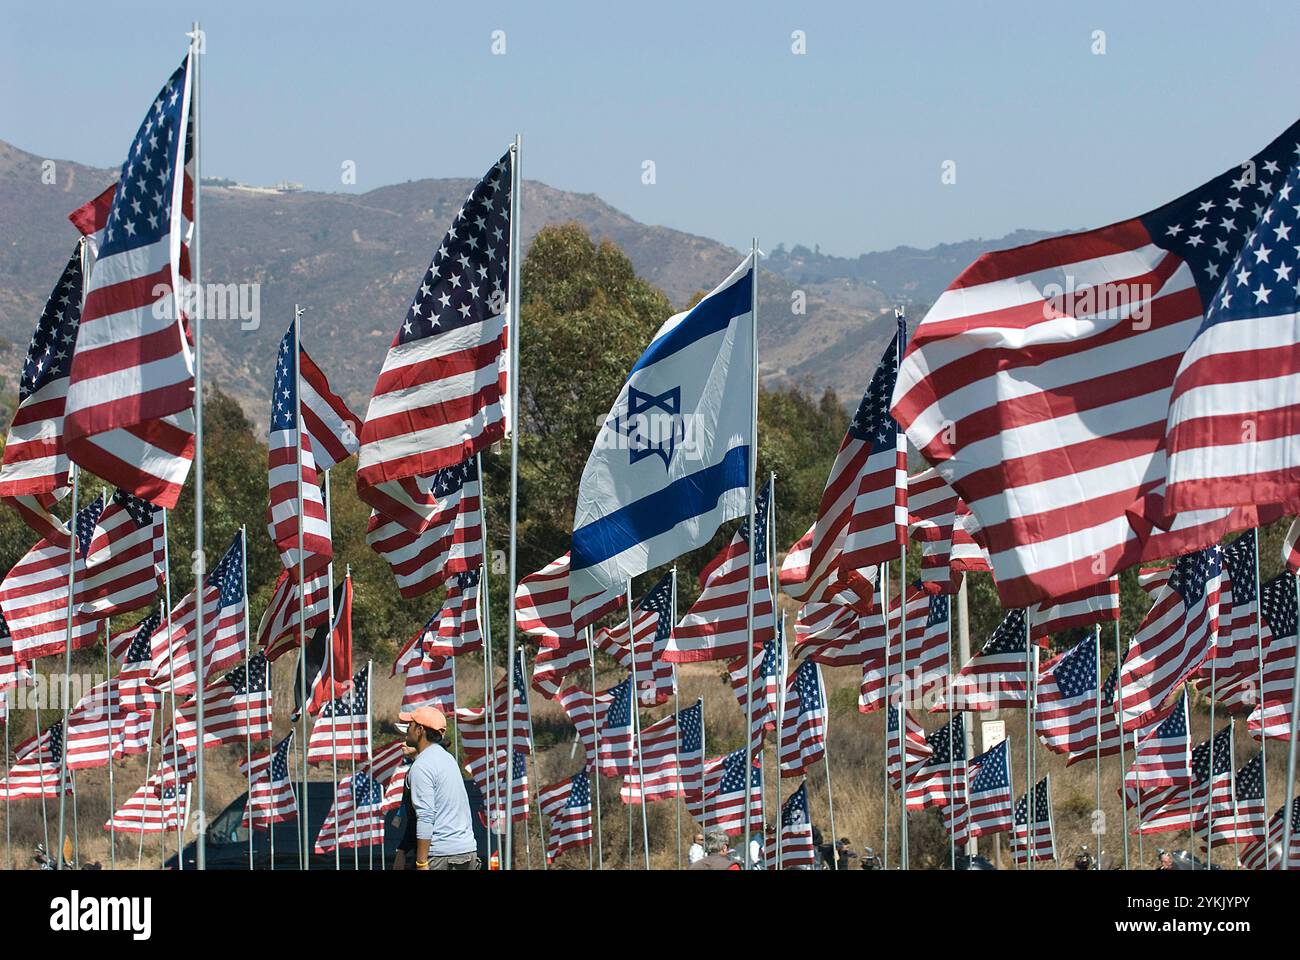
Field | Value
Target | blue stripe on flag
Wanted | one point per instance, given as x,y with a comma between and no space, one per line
683,499
708,317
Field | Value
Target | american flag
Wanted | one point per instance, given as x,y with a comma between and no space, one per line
932,508
481,772
658,775
715,626
587,714
1246,821
842,636
134,652
334,675
451,542
1291,547
553,664
236,707
544,610
1163,755
723,806
277,632
1066,714
651,625
941,781
153,808
99,729
224,642
331,425
34,601
567,806
1236,360
1042,846
995,677
34,475
289,462
1099,602
989,791
1278,610
129,416
1162,809
1211,792
471,721
618,733
270,795
356,818
927,661
439,397
430,682
803,719
1045,406
797,850
862,516
917,746
457,631
388,765
342,728
124,555
1176,635
1266,854
1232,669
766,683
13,672
37,766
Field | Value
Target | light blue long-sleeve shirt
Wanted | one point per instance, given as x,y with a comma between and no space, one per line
441,804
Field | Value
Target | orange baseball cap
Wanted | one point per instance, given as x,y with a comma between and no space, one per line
431,718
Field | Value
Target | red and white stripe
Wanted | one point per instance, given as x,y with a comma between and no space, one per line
569,816
129,416
471,723
587,714
481,771
1163,759
283,467
1092,604
224,644
1266,853
1272,716
543,609
333,428
654,675
458,623
270,799
917,747
452,542
430,682
277,632
145,811
553,664
125,565
346,826
803,726
228,716
658,776
37,767
34,601
715,627
926,664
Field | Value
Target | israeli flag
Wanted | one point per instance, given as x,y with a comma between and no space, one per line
673,460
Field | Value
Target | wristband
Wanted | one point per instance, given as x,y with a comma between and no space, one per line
421,863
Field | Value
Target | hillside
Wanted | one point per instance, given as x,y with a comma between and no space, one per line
355,259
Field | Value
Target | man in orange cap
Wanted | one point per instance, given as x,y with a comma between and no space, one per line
444,832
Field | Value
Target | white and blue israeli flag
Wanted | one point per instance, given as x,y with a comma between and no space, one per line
672,461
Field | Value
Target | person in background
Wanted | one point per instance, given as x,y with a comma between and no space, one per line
844,853
696,852
439,803
716,854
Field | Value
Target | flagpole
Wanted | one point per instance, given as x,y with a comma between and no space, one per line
516,427
1288,824
884,600
171,683
112,803
305,851
329,571
677,711
903,858
1263,740
45,814
952,755
370,747
489,711
704,760
783,677
148,759
532,761
200,563
826,758
1209,794
594,763
751,469
66,684
248,726
9,836
1097,821
1137,788
636,729
1031,824
1119,698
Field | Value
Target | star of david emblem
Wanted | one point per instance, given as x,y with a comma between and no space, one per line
653,424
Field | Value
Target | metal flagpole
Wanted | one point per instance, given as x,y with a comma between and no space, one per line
677,712
76,826
171,683
751,468
200,563
112,802
903,859
884,601
329,573
1119,698
1097,821
1030,823
489,713
370,746
963,657
1263,740
515,415
1137,791
532,760
594,762
248,727
636,730
952,756
148,759
45,814
782,673
304,817
1209,795
1288,824
66,684
9,837
826,758
704,760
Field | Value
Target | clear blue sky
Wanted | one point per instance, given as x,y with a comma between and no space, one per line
841,146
